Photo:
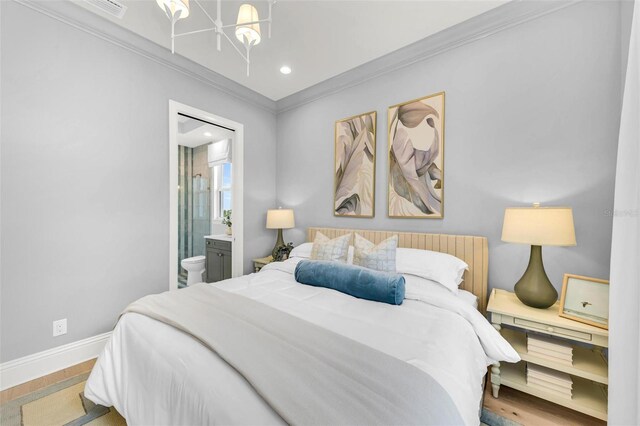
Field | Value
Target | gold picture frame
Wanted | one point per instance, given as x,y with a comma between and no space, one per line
586,300
415,187
354,166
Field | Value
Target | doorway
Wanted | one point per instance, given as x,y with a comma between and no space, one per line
203,188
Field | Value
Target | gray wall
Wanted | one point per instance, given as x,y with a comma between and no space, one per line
84,175
532,114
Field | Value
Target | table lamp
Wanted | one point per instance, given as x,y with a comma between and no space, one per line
279,219
538,226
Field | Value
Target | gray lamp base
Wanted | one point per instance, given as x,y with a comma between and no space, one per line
534,288
279,243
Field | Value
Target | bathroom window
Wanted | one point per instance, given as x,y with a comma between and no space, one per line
222,189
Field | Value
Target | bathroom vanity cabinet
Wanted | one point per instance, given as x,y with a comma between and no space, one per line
218,260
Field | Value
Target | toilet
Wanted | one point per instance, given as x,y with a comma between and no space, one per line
195,268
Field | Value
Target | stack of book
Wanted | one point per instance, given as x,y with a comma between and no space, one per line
550,349
550,381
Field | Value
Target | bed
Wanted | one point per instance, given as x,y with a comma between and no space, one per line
154,373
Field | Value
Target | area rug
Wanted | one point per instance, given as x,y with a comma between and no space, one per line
64,404
59,404
489,418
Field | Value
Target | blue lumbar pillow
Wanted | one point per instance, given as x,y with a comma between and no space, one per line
354,280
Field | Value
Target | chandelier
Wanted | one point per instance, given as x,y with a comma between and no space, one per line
247,26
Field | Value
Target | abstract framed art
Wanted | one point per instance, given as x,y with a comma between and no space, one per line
416,158
355,166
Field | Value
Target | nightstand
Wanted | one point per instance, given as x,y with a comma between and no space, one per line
260,263
589,369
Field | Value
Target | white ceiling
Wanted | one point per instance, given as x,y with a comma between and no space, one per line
318,39
193,133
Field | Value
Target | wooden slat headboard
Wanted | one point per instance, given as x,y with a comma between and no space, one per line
471,249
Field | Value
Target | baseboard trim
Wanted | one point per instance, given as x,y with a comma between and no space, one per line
30,367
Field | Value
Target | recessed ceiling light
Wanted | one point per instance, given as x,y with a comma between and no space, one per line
208,134
285,70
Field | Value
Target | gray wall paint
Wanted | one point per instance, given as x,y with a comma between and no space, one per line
84,174
532,114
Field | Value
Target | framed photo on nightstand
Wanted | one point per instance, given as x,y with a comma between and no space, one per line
586,300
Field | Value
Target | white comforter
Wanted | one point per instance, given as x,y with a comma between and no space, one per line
154,374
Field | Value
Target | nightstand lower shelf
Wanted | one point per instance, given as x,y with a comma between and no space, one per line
588,363
588,397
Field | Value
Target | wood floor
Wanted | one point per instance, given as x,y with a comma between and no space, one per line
512,404
529,410
42,382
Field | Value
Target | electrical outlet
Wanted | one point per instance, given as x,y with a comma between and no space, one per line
60,327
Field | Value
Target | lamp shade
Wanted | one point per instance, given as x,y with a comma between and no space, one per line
280,219
540,226
248,33
172,7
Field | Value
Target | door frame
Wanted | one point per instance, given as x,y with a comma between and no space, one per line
237,173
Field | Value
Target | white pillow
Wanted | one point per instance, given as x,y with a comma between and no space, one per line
417,288
304,251
336,249
442,268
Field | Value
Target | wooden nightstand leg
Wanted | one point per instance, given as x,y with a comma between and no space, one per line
495,379
495,371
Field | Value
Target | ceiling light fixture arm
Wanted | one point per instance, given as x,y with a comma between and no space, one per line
174,18
218,24
195,32
246,58
246,23
219,27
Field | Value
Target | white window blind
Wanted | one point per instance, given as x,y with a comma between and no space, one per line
219,152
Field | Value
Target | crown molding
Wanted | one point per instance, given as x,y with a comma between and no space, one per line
514,13
501,18
83,20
